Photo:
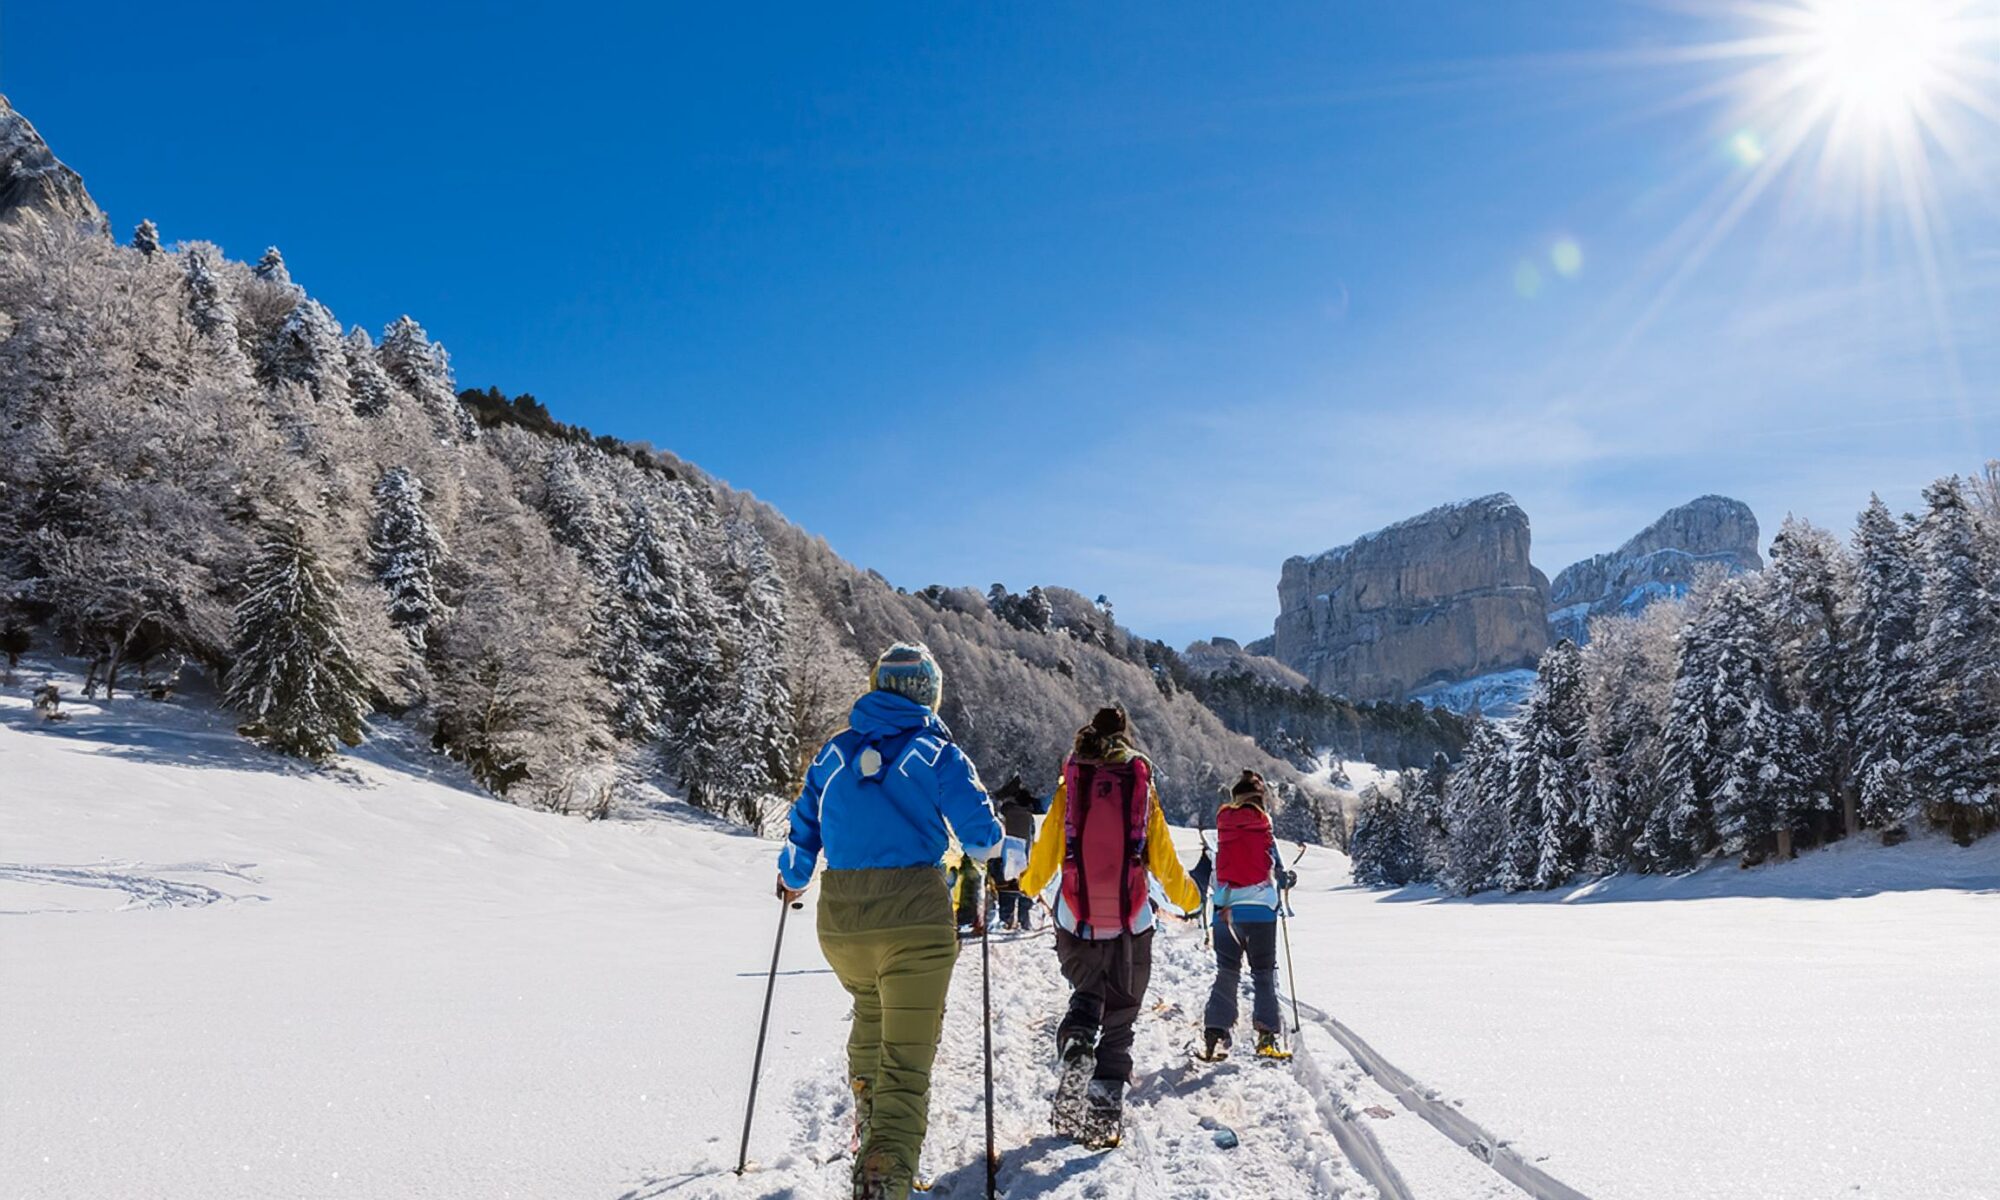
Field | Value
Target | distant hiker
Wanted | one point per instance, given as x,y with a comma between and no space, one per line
1104,835
965,876
1203,874
883,800
48,702
1018,810
1248,878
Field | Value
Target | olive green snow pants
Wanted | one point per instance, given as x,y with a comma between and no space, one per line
888,935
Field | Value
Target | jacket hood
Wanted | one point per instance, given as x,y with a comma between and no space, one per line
881,714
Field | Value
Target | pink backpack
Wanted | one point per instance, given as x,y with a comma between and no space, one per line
1104,843
1243,843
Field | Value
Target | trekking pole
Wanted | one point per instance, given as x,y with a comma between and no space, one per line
986,1008
763,1026
1291,974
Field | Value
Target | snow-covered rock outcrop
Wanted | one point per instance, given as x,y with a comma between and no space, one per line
1443,596
1660,561
33,178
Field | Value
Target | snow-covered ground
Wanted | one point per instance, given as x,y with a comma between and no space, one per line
1823,1028
228,977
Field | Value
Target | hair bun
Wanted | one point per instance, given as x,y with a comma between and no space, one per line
1109,721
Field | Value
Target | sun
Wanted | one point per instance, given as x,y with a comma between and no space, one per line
1871,87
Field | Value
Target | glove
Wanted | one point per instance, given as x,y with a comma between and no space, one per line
788,895
1287,880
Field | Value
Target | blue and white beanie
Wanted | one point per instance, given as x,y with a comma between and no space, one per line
908,669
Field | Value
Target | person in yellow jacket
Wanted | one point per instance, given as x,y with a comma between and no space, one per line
1105,837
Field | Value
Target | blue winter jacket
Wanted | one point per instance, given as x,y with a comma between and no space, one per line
899,820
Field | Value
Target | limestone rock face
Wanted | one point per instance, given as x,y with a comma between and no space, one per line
33,178
1444,596
1660,561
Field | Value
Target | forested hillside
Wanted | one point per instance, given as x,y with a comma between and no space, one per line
201,469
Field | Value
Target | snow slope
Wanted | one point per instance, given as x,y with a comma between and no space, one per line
1817,1029
228,977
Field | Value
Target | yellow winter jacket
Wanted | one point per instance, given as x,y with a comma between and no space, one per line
1046,859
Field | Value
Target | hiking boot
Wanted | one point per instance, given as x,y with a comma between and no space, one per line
878,1178
1215,1043
1078,1058
1268,1047
1103,1124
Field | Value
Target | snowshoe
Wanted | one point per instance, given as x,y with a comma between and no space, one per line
1103,1125
1214,1045
1079,1059
1268,1047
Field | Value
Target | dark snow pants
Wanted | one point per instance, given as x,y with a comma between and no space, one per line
1235,941
1109,980
888,935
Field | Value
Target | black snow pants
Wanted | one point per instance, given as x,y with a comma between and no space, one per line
1108,980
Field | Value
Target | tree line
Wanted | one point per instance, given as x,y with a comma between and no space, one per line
1847,687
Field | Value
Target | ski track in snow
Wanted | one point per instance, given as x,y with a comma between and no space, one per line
1305,1128
144,885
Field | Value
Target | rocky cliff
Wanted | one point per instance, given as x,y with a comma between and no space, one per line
33,178
1660,561
1447,595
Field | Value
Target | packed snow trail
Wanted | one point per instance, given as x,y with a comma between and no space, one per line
1318,1126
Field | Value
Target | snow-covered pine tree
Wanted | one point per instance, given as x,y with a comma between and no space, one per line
1429,827
1768,778
1681,829
1808,594
1888,613
367,382
1476,811
294,677
579,511
271,267
1379,850
761,744
309,350
1037,610
692,648
1560,773
1628,671
146,238
637,618
407,552
423,369
208,305
1958,717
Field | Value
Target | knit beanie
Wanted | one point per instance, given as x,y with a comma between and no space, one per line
908,669
1249,787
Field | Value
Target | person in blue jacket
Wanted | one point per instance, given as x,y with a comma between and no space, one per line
1250,880
882,802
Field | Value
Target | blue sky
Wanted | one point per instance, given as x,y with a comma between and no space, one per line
1137,298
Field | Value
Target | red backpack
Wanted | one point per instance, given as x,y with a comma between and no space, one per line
1104,843
1243,845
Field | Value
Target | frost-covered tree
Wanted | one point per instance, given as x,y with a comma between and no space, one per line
758,744
294,677
209,307
1552,736
1809,614
639,608
1953,768
271,268
1681,829
367,382
1628,673
423,369
310,351
1767,776
579,509
1380,848
408,553
1888,594
146,238
1476,811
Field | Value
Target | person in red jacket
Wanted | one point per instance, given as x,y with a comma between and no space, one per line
1249,878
